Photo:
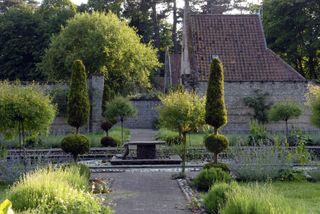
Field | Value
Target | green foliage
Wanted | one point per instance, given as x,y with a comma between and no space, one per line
109,142
106,126
216,144
217,196
182,111
75,145
256,199
208,177
78,100
24,105
315,111
107,45
290,31
19,44
284,110
170,137
260,106
216,112
55,190
119,108
222,166
258,133
291,175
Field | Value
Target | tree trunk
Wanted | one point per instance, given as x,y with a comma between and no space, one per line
121,130
215,131
77,130
184,152
156,28
287,130
174,27
215,157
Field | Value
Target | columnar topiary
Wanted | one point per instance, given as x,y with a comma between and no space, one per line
78,100
216,112
78,111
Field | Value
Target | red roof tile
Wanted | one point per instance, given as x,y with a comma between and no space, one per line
239,42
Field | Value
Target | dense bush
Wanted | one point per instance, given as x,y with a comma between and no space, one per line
170,137
106,126
52,190
216,143
207,177
291,175
217,197
258,134
258,200
109,142
222,166
75,145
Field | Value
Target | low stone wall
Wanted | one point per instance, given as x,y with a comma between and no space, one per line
239,115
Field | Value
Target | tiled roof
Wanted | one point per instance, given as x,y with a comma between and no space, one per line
239,42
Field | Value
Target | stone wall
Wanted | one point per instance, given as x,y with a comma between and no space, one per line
95,86
147,114
239,115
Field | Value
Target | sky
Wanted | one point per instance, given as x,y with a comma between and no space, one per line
180,3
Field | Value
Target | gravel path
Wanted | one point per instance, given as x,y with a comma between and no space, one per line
146,193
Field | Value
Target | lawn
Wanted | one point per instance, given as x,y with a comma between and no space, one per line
299,194
53,141
304,194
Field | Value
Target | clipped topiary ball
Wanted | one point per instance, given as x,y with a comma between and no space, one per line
106,126
216,143
109,142
75,145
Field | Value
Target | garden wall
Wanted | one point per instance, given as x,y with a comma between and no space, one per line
239,115
147,115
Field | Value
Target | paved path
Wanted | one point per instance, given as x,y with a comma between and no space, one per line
142,134
146,193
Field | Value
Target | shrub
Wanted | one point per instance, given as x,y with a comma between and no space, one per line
258,133
78,99
259,163
109,142
207,177
170,137
216,144
75,145
217,196
222,166
259,104
291,175
315,108
314,174
55,191
106,126
256,199
83,169
5,207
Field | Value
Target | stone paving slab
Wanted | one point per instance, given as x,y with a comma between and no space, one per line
146,193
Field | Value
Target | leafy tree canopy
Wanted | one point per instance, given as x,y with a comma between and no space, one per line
106,46
182,111
27,105
293,31
119,108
